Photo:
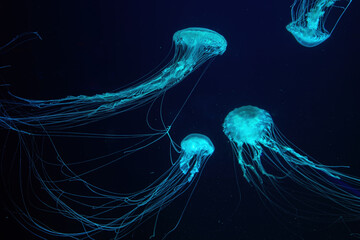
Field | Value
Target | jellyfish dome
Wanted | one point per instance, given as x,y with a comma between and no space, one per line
306,36
209,41
270,164
247,124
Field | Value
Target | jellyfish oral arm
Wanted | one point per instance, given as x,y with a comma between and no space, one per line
313,18
184,163
246,166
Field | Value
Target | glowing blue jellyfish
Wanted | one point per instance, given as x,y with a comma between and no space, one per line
96,210
193,47
309,17
272,166
192,146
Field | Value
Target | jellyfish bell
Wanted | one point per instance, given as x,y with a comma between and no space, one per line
247,124
309,18
211,42
270,164
196,147
305,36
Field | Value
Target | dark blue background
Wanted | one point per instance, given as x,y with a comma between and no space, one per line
93,47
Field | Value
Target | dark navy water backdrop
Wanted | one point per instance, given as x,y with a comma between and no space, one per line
91,47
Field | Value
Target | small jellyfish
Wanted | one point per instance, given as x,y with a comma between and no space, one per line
284,176
194,146
96,210
193,47
309,17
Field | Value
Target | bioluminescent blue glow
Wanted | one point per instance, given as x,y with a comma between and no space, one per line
192,146
193,47
71,185
309,18
98,210
272,166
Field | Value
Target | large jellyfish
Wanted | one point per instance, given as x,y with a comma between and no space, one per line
309,17
71,187
193,47
270,164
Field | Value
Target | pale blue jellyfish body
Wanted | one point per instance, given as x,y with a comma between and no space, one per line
309,17
193,47
198,146
97,210
267,160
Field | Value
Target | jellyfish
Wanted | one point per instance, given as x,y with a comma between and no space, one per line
193,47
194,145
285,176
96,210
309,17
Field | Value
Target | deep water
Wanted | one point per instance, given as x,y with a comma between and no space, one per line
95,46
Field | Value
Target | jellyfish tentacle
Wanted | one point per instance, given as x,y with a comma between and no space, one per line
296,158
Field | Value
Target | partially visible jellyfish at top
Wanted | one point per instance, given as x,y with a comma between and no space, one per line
309,18
72,191
193,47
285,176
